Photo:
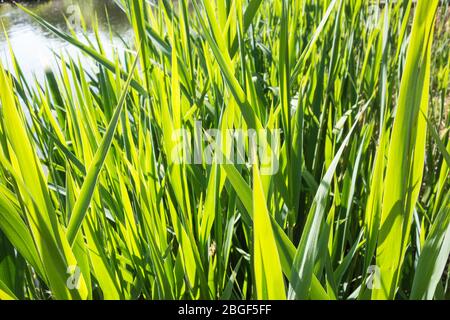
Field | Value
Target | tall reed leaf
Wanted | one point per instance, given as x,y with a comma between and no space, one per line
406,153
87,190
268,274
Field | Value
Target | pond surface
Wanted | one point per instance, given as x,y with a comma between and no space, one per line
33,44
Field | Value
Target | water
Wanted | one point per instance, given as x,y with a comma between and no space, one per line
33,44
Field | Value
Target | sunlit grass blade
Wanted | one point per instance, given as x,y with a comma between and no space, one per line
406,153
87,190
434,256
266,261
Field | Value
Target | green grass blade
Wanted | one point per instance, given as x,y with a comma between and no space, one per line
434,256
266,261
406,153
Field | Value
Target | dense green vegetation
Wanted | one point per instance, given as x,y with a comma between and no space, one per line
93,205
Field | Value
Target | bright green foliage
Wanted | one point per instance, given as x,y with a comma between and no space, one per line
94,203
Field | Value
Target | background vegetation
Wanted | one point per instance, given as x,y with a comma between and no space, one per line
92,207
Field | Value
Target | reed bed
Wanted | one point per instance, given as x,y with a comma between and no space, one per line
356,204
